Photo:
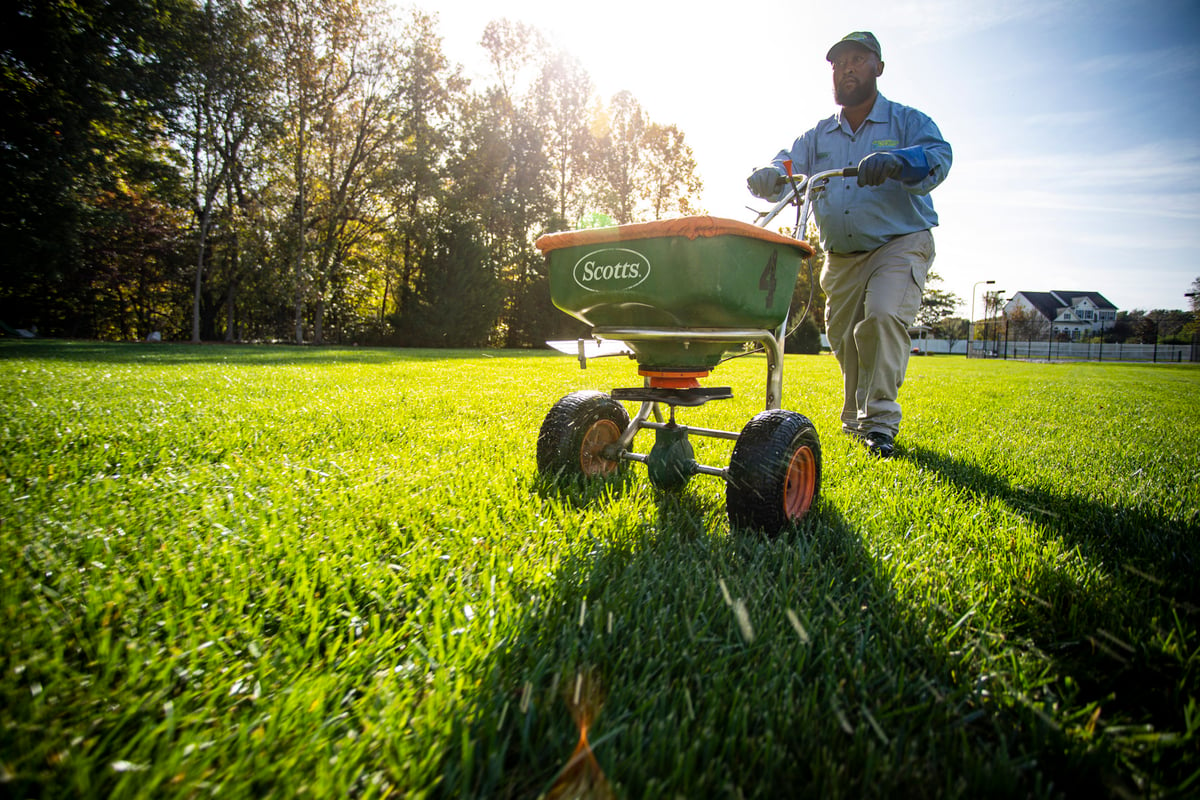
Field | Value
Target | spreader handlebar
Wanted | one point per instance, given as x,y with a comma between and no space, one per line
801,189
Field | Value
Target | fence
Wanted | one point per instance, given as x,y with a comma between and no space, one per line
1086,351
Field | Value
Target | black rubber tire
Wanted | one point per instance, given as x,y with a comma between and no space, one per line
774,472
575,429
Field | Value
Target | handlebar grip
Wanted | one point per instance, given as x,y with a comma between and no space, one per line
850,172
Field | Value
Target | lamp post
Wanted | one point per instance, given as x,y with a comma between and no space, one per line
1005,313
971,327
1195,331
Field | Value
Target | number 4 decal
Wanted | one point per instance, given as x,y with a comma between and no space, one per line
767,280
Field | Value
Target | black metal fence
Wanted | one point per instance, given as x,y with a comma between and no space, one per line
1087,351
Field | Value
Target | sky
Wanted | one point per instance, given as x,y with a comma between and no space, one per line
1075,124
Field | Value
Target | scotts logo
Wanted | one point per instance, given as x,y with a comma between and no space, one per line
613,269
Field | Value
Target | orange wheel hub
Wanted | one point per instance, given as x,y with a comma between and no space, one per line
800,484
591,459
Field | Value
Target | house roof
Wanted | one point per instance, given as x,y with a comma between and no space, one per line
1045,302
1048,303
1098,300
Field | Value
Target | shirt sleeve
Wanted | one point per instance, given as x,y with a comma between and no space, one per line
801,162
927,160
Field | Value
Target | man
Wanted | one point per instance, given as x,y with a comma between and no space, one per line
875,231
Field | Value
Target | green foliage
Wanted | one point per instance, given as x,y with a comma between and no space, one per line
133,245
459,296
952,329
84,90
936,304
305,155
276,572
1166,327
594,219
805,338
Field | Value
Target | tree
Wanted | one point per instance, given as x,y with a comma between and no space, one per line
808,299
301,170
224,95
936,304
952,329
357,142
1146,330
514,50
645,170
804,337
1026,324
430,92
136,258
670,172
1171,325
563,95
315,51
622,158
992,304
1194,297
459,297
84,89
1167,326
517,203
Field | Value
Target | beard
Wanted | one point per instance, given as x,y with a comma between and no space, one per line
860,92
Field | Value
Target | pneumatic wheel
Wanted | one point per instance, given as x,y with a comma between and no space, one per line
774,472
574,434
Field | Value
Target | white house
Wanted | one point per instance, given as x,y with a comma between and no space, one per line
1074,313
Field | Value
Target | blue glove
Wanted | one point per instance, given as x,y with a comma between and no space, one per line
765,183
877,168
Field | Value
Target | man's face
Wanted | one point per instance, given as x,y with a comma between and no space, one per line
854,72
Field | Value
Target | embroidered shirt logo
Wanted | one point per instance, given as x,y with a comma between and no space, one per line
885,143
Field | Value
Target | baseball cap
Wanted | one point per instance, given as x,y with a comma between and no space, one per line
864,38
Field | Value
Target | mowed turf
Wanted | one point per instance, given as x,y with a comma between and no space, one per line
278,572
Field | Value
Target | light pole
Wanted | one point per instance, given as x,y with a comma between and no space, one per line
996,323
971,327
1196,331
1004,313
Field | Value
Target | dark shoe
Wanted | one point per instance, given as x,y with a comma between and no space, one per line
879,444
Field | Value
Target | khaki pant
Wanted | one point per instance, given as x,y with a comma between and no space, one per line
871,300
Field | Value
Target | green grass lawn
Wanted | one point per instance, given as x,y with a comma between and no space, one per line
278,572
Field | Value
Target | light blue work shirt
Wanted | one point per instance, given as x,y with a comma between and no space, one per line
855,219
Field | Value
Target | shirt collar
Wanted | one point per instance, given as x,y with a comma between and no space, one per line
880,112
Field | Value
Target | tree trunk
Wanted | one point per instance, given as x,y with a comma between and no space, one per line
406,276
202,245
319,321
230,314
387,287
301,210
